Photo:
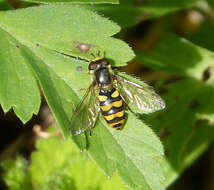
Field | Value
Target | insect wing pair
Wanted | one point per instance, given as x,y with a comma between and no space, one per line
138,96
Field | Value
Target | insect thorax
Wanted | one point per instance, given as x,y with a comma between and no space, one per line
103,76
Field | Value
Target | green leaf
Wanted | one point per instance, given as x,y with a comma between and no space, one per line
75,1
23,32
135,152
18,89
63,29
123,158
187,125
178,56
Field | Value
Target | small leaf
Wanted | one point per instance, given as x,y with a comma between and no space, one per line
178,56
16,175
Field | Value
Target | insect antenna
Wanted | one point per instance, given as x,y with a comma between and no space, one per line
93,55
74,57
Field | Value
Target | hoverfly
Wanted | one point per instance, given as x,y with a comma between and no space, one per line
109,94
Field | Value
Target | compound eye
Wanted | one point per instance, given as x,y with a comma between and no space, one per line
92,66
105,62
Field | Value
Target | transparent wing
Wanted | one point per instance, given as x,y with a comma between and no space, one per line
86,113
139,96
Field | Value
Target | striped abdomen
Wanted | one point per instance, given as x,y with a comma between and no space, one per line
112,107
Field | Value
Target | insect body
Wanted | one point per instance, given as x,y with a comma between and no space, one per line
110,101
109,94
112,107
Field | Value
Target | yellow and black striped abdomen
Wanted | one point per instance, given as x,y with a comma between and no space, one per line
112,108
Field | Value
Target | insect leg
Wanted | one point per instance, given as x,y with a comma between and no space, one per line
90,131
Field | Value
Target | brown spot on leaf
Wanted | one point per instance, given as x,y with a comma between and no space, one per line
83,47
17,45
37,44
79,68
